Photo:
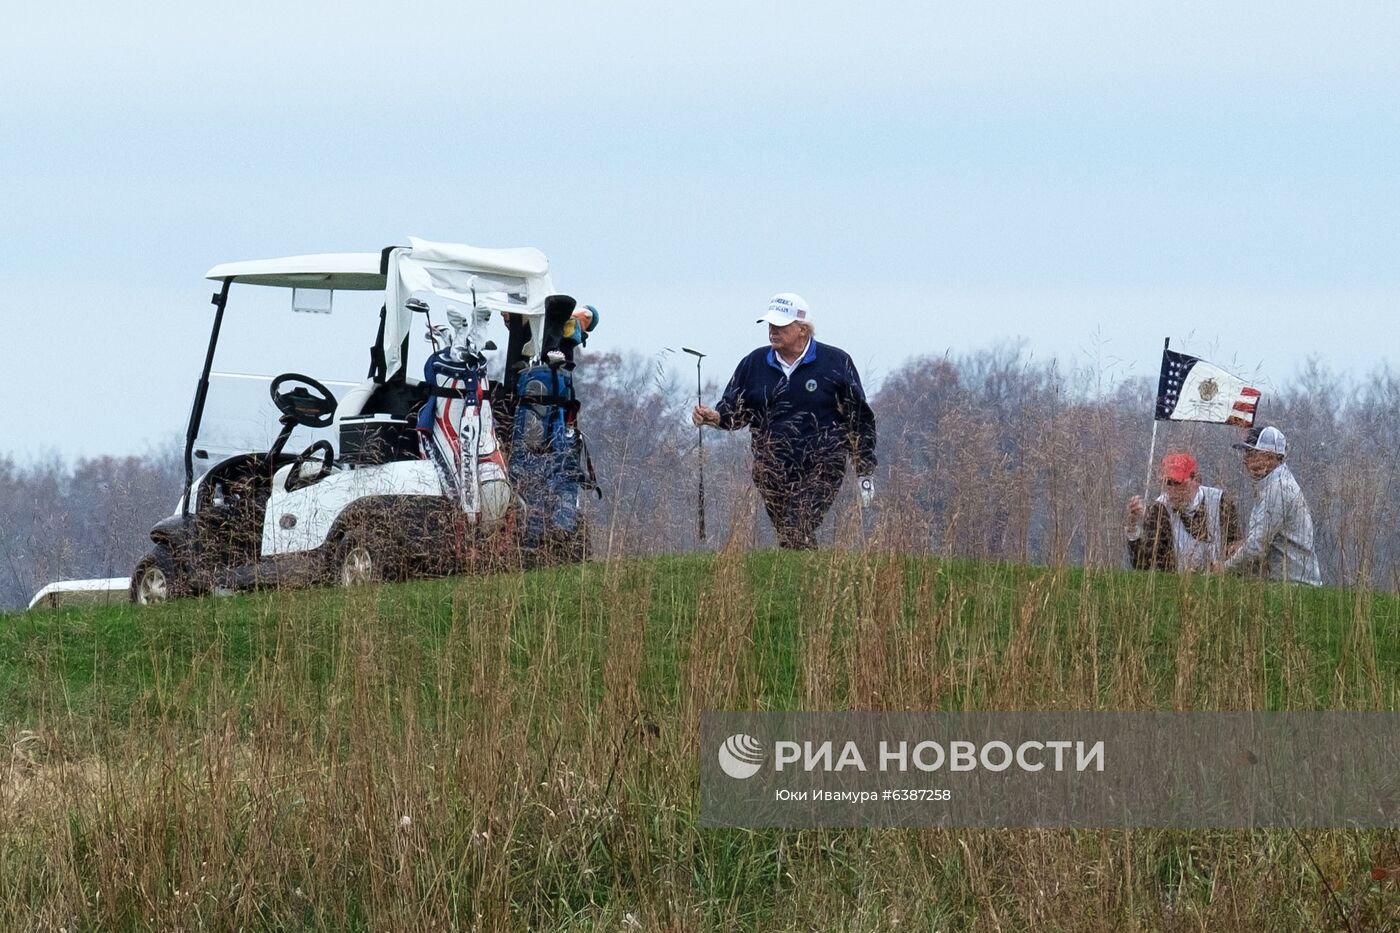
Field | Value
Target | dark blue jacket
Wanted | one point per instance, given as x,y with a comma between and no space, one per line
813,419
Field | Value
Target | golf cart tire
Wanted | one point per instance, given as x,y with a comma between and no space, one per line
156,578
358,559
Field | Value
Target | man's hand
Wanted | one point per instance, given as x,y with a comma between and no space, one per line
704,414
1132,521
867,491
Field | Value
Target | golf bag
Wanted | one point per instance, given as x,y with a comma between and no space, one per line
549,462
458,433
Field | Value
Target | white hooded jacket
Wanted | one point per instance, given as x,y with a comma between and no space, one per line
1278,544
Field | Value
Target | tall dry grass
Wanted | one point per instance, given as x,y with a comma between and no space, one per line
519,751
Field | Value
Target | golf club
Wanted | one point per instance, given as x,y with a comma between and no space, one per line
700,431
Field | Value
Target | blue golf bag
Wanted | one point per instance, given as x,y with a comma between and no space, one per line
549,462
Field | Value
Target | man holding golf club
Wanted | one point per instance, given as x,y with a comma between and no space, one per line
804,406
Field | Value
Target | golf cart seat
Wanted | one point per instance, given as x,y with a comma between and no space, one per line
399,399
374,422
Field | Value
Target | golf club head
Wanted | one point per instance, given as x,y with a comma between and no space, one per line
456,318
440,335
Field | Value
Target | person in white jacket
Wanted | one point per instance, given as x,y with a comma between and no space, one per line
1278,543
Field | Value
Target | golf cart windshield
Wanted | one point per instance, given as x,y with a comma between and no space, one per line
262,337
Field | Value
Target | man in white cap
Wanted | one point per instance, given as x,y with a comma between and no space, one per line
1278,543
806,411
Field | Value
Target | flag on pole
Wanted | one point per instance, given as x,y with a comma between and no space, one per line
1190,389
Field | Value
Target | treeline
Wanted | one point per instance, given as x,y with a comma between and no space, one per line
992,455
62,520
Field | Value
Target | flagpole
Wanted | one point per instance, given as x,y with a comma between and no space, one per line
1151,454
1152,448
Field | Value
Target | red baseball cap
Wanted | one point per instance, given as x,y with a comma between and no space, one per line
1178,468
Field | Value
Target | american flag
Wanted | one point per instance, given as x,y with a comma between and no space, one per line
1190,389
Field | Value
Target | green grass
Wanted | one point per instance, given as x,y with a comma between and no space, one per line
540,731
115,663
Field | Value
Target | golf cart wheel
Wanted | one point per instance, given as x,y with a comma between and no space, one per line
357,560
155,579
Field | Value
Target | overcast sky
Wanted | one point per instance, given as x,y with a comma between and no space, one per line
933,178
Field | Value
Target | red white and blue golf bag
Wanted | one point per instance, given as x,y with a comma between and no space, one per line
458,434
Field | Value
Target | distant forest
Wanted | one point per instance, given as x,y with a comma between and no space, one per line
990,455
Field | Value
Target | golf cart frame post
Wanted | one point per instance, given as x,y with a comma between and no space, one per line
201,394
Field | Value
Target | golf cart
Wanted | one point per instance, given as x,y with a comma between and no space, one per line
398,476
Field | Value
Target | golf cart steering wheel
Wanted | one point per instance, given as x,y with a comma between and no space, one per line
295,479
310,404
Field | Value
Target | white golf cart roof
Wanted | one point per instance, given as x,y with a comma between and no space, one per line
347,271
445,275
361,271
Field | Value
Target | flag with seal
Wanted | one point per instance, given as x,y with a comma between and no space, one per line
1190,389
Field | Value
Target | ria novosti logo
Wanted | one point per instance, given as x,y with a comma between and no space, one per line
741,756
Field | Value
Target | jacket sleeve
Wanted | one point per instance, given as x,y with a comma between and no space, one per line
1139,554
734,409
861,422
1153,549
1230,521
1265,520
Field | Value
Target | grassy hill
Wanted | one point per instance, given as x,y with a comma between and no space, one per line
520,751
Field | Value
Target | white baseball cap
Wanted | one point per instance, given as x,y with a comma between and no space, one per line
1269,439
786,308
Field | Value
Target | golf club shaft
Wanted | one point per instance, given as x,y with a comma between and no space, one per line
700,431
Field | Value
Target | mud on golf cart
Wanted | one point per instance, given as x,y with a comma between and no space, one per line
402,475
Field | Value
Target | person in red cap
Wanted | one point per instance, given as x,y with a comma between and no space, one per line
1189,527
